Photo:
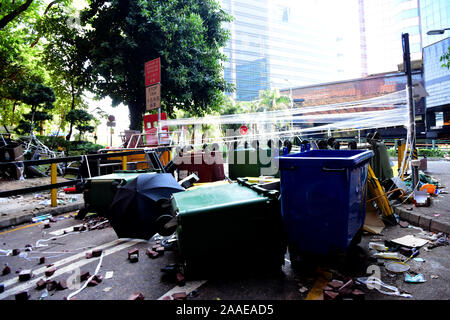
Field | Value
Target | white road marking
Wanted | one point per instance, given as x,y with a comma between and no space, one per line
32,282
61,231
188,288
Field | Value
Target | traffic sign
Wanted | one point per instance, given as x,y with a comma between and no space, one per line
243,130
153,97
152,72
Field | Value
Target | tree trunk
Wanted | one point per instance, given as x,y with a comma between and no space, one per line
136,113
72,107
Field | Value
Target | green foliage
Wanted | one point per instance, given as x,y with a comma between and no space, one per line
431,153
82,119
186,34
445,59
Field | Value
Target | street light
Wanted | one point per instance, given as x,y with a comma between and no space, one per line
437,32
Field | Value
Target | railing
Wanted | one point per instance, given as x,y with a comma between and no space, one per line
53,178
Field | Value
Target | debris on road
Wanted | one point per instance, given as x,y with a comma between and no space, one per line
97,253
109,274
152,254
50,272
61,285
419,278
41,260
41,284
179,296
51,285
25,275
133,255
380,286
136,296
15,252
6,270
410,241
84,276
22,296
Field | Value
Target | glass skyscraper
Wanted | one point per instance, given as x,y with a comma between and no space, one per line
287,43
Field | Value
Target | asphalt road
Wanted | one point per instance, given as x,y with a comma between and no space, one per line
67,253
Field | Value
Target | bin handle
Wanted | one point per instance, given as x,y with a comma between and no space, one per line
333,170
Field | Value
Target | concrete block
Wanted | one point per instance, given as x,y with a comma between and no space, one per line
439,226
50,272
425,222
41,284
25,275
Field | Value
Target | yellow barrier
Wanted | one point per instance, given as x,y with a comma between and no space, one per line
53,177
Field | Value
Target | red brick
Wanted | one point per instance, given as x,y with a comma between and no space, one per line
41,260
136,296
152,254
330,295
92,283
22,296
97,253
41,284
84,276
180,279
62,285
6,270
51,285
167,298
88,255
50,272
133,251
179,296
25,275
336,284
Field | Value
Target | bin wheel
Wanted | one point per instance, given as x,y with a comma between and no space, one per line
161,227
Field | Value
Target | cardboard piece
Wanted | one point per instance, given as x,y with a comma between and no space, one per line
373,222
410,241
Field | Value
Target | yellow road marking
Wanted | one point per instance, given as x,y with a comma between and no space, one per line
20,228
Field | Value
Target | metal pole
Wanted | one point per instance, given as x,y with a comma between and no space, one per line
159,125
412,116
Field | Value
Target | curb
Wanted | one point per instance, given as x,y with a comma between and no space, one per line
28,217
422,221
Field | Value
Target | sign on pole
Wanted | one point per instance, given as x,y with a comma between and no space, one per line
152,72
153,97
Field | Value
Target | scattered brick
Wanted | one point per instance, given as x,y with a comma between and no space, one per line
180,279
160,250
152,254
49,265
25,275
22,296
88,255
327,288
136,296
345,292
51,285
330,295
84,276
167,298
41,284
41,260
336,284
6,270
92,283
50,272
97,253
179,296
46,225
98,278
15,252
358,294
61,285
53,220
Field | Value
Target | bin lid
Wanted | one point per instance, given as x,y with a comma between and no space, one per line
346,158
120,176
204,199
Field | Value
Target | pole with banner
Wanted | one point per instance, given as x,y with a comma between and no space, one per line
153,89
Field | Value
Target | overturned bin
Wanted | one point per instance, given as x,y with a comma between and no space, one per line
233,227
323,195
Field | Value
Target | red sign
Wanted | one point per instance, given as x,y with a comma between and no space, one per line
243,130
152,72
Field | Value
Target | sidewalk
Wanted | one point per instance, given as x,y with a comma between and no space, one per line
15,211
436,217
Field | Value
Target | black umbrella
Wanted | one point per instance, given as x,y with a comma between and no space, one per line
138,204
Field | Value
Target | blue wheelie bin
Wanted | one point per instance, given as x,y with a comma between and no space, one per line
323,195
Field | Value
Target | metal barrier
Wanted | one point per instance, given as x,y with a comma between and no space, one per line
53,186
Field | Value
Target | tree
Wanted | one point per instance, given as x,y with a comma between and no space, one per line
270,100
65,60
40,98
445,59
186,34
81,119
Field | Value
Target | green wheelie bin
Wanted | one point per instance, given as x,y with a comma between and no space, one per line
229,228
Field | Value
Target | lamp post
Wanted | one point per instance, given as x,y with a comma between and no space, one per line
437,32
412,116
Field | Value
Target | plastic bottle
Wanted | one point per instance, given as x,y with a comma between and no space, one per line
378,246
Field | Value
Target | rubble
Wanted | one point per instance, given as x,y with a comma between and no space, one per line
61,285
133,255
330,295
6,270
41,260
15,252
22,296
51,285
50,272
25,275
179,296
84,276
152,254
136,296
97,253
2,287
41,284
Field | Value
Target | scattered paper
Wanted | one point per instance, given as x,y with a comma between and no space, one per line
109,274
107,289
433,276
303,289
410,241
